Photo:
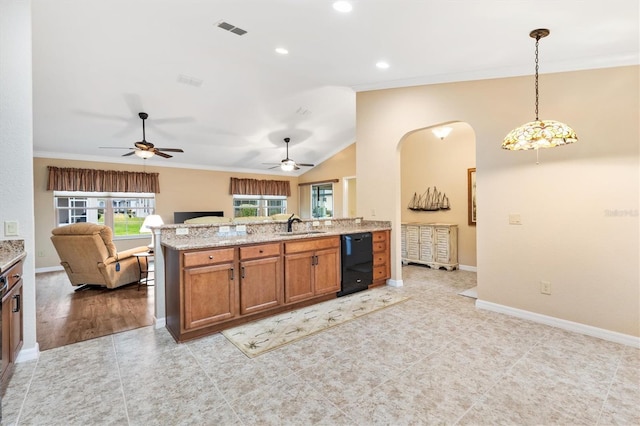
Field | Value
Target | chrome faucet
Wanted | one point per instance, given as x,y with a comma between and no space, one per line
290,222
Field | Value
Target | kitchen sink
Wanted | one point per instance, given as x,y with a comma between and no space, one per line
286,234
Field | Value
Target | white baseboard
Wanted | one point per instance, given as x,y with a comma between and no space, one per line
588,330
159,322
49,269
395,283
28,354
468,268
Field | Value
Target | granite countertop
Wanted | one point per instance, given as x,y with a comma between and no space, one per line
11,251
195,242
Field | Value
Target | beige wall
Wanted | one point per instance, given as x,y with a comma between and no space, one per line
425,162
339,166
579,206
180,190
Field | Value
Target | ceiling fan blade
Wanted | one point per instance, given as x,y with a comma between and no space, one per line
162,154
128,154
170,149
113,147
304,164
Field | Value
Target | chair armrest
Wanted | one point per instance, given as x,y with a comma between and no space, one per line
125,254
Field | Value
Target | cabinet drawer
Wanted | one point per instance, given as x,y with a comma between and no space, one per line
379,259
379,236
208,257
311,245
14,274
253,252
379,272
379,246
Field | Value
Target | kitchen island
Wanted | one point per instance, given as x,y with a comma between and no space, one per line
217,277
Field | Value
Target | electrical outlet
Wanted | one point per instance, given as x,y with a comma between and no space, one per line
545,287
373,212
40,253
316,223
224,229
515,219
182,231
358,221
327,223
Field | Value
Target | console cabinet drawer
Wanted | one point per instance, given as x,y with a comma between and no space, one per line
208,257
255,252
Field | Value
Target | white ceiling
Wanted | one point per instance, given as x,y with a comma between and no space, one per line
97,63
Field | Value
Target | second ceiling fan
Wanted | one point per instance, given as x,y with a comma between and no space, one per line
287,164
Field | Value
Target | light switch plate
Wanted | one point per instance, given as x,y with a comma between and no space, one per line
316,223
515,219
327,223
224,229
11,228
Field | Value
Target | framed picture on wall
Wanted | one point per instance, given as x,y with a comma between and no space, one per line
471,189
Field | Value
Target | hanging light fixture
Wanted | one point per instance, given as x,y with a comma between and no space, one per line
539,133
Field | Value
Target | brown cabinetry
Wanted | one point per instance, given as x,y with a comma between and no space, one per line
381,257
208,290
209,287
260,278
12,332
312,268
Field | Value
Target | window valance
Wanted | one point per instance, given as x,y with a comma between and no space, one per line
90,180
259,187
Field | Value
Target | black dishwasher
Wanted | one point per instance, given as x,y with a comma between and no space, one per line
357,262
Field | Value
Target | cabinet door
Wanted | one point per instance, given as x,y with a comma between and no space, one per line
209,295
260,284
298,276
16,320
442,245
327,271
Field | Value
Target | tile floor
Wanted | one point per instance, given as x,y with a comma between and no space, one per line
433,359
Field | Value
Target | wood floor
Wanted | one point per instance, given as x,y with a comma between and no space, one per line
64,316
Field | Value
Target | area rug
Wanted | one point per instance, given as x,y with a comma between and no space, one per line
267,334
472,293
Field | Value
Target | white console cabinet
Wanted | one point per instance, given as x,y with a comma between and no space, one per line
431,244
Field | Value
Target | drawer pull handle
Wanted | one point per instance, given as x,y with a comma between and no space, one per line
16,276
210,257
17,299
261,251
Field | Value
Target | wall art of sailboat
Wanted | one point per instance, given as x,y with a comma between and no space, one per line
430,200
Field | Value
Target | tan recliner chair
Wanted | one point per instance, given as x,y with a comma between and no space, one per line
89,256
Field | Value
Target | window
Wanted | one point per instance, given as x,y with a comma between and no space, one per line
258,205
322,200
122,212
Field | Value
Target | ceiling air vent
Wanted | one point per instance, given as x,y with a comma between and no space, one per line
227,26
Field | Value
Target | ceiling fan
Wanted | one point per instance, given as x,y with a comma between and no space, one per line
287,164
144,149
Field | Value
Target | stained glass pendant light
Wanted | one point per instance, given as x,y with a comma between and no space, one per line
539,133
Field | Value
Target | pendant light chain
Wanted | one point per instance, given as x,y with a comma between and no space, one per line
537,43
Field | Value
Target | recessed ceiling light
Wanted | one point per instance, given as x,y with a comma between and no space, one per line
382,65
282,51
342,6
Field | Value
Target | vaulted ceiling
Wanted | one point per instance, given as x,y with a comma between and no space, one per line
229,100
